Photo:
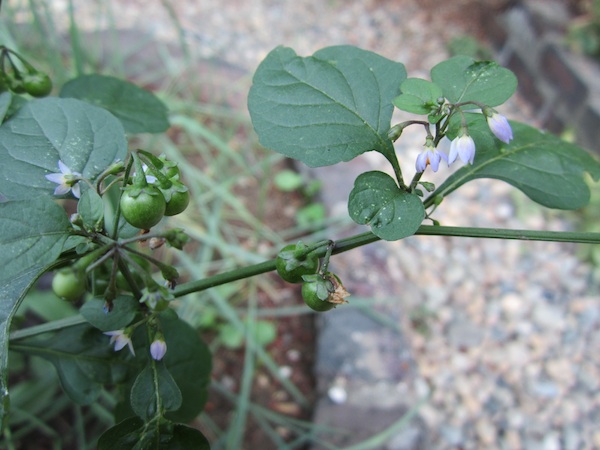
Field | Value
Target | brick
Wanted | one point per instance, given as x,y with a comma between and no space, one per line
495,31
556,69
527,81
553,124
589,127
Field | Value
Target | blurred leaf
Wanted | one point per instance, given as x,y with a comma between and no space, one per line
542,166
311,215
139,110
391,212
83,359
463,79
288,180
125,307
325,108
233,337
33,234
84,137
12,292
46,305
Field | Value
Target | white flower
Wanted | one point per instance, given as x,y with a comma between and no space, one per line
158,348
463,147
500,127
121,339
429,157
66,180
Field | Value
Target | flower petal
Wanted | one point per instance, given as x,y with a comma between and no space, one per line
61,189
500,127
76,189
56,178
63,167
158,349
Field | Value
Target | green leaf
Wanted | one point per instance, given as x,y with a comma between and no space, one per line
185,438
86,138
154,384
12,293
325,108
91,208
463,79
124,310
288,180
418,96
232,336
545,168
123,436
377,201
139,110
131,434
188,359
83,359
33,234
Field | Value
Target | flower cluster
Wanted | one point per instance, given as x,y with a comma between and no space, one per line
122,339
463,146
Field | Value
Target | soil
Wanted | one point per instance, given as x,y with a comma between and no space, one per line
293,349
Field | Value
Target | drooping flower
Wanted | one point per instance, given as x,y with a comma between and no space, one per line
499,126
462,147
158,348
67,180
431,156
120,338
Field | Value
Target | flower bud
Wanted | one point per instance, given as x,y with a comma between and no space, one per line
500,127
158,349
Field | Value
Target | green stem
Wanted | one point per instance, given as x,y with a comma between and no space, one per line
359,240
55,325
501,233
341,246
390,155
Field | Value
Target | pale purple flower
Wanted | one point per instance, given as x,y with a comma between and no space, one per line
121,339
462,147
67,180
499,126
429,157
158,348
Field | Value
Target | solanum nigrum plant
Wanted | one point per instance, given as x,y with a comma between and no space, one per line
321,110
